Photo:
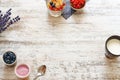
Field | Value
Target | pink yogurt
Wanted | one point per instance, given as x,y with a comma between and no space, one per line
22,70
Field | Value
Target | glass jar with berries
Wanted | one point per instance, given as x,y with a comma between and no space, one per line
77,4
55,7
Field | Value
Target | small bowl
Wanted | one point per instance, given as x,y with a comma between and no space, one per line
22,71
9,58
76,8
108,53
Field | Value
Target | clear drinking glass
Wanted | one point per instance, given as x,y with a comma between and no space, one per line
55,7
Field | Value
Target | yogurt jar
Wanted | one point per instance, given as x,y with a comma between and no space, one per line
22,70
55,7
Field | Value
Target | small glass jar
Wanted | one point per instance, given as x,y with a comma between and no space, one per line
55,7
55,13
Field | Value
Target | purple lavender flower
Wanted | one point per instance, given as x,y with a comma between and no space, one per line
6,21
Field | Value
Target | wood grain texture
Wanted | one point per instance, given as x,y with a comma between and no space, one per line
72,49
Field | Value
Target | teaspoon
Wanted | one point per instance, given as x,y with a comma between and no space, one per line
41,71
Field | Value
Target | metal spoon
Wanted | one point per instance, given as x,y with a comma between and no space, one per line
41,71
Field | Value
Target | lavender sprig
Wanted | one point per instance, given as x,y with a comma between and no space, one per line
6,21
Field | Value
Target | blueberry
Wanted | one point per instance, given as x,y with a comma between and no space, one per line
4,56
14,56
7,61
12,61
7,53
8,57
52,4
11,54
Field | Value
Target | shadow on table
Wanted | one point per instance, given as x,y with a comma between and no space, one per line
24,78
78,16
112,69
7,70
55,21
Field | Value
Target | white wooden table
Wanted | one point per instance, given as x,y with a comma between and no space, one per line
72,49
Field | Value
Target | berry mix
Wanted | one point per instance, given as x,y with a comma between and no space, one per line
9,57
77,4
56,5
